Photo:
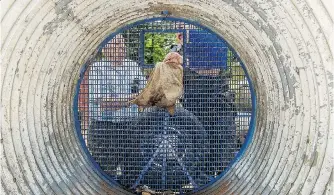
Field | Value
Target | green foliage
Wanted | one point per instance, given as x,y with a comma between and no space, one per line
157,46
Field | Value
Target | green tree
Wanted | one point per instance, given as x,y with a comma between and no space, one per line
157,46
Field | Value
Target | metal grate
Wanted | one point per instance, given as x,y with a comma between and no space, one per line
179,153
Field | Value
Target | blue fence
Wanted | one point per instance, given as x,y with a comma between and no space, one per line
182,153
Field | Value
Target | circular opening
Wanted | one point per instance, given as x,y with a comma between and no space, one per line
152,149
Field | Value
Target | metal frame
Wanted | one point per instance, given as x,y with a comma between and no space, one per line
96,167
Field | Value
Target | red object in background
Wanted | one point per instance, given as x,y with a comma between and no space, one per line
84,101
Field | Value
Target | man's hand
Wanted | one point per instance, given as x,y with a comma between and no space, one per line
111,105
116,103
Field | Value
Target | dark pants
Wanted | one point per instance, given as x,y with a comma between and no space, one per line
109,143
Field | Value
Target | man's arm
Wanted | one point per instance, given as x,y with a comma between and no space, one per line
139,80
115,103
137,83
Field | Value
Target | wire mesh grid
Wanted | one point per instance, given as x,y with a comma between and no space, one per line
149,147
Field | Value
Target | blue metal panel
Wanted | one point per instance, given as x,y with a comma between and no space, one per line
183,153
206,50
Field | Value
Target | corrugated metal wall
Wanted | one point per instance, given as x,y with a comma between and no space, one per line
287,47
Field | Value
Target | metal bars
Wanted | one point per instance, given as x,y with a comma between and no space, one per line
179,153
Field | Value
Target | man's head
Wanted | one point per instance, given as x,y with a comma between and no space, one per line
115,50
179,38
179,35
